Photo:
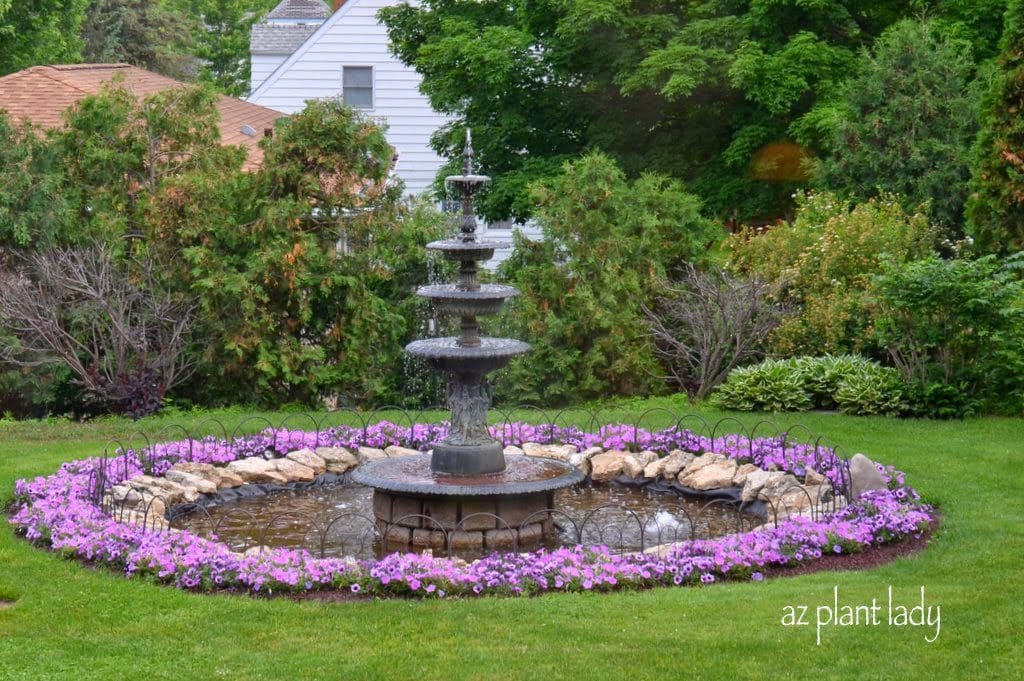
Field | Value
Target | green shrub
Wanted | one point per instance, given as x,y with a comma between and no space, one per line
608,243
939,400
956,323
854,384
772,385
906,121
822,376
871,390
995,211
822,264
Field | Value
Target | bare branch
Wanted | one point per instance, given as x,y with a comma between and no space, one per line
707,324
121,336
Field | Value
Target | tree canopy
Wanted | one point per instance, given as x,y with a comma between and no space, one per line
720,93
40,32
905,123
145,33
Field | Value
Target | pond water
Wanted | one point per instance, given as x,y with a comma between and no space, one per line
337,520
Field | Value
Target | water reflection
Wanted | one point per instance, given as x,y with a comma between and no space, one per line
337,520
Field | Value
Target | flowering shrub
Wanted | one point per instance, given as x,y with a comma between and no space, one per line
57,510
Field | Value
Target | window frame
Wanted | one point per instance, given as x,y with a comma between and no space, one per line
372,86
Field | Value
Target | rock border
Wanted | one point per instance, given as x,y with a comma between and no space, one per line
774,495
60,511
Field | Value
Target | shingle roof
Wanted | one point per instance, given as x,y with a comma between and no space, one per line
279,38
40,95
300,9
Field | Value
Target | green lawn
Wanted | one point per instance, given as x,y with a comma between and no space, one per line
70,621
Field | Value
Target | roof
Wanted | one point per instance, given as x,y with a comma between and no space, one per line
40,95
300,9
279,38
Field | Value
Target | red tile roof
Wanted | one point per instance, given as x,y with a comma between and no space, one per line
41,93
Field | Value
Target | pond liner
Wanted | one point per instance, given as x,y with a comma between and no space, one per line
731,494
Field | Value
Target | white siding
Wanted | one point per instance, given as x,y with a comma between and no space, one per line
353,37
262,66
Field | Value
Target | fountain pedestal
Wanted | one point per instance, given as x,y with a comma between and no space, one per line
466,491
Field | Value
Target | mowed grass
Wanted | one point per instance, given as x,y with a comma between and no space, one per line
65,620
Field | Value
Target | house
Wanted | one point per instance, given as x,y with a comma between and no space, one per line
40,95
346,54
280,34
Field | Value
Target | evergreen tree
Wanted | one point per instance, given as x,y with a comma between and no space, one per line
905,123
145,33
996,209
220,34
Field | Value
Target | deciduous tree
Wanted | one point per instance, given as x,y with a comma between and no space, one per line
40,32
722,94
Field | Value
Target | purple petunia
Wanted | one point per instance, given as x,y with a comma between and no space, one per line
58,511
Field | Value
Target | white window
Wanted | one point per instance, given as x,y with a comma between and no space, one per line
357,86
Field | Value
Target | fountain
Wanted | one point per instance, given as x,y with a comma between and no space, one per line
467,493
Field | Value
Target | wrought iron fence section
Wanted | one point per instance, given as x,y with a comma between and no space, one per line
123,458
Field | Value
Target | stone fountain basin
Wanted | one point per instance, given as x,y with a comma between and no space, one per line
522,475
450,299
446,354
457,249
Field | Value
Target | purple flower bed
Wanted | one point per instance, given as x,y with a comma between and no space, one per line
56,510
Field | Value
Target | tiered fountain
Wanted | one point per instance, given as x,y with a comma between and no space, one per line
467,493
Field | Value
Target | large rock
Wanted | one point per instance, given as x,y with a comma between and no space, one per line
632,466
171,492
221,477
123,496
512,450
675,462
647,457
864,476
394,450
294,471
256,470
775,487
755,482
813,477
606,466
559,452
740,479
225,479
154,507
713,475
655,468
309,459
587,454
370,454
794,500
337,459
582,459
200,484
699,462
